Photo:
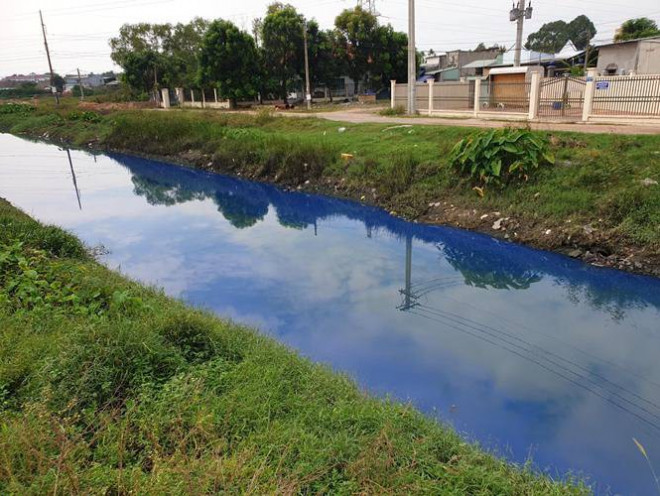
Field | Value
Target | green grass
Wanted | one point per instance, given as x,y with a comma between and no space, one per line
597,178
109,387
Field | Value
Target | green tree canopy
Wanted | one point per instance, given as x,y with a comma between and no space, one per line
325,66
357,41
553,36
282,39
637,28
173,51
227,61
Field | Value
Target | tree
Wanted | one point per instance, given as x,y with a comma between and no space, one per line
325,67
357,41
226,61
391,57
581,31
551,38
481,47
637,28
172,51
282,38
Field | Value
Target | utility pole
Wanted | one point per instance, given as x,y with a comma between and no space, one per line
82,91
412,58
519,14
50,65
308,91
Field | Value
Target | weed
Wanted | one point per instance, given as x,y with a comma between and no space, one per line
500,156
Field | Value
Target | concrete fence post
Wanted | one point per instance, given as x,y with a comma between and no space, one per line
431,82
477,96
589,92
215,94
165,103
203,98
534,96
393,93
192,95
180,95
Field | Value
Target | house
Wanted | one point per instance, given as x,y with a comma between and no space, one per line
630,57
457,64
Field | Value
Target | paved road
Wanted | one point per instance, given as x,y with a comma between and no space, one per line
366,115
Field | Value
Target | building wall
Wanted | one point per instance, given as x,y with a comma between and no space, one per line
648,61
624,56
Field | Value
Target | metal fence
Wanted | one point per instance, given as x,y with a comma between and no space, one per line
627,96
562,98
505,97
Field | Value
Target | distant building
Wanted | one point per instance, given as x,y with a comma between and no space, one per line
90,80
41,80
630,57
457,64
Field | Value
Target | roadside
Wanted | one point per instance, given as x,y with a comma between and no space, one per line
599,203
109,387
370,114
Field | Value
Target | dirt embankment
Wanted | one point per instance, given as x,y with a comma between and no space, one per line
592,243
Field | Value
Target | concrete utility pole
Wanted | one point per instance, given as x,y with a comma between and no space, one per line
412,58
308,91
82,91
519,14
50,66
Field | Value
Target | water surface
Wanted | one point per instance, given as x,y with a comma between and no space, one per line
527,352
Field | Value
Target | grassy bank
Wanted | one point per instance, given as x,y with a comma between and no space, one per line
594,199
108,387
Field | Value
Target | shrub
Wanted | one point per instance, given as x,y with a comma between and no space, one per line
397,110
500,156
85,116
16,108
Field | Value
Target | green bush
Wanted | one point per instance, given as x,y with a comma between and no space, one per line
391,111
500,156
16,108
85,116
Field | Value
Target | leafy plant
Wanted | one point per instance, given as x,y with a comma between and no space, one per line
85,115
501,156
16,108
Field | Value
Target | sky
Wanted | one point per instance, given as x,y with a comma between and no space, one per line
78,31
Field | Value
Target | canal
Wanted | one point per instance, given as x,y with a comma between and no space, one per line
533,355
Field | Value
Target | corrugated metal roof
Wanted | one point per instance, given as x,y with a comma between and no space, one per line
480,64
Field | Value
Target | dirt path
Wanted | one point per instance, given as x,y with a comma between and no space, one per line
370,115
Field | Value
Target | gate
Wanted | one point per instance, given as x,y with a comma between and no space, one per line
562,98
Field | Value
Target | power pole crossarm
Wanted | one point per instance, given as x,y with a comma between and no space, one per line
50,65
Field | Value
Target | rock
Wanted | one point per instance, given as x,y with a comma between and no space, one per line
649,182
307,182
497,225
484,216
341,130
548,232
588,229
575,253
496,214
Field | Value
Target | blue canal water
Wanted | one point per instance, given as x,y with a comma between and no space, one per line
532,354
